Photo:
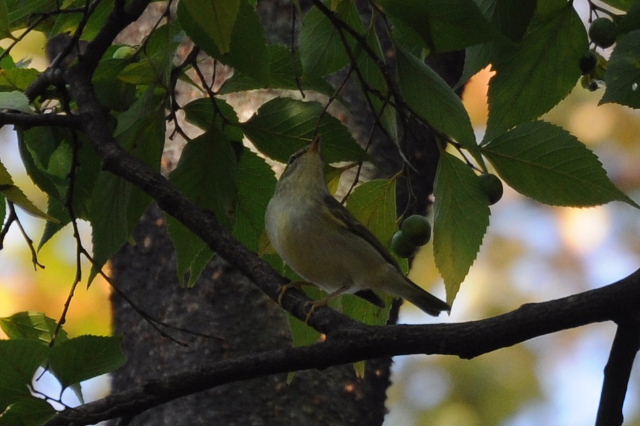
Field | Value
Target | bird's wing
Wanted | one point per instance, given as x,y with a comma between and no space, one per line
351,224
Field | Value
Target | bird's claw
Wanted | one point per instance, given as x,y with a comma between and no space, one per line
283,289
313,306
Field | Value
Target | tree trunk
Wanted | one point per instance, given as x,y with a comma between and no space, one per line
223,303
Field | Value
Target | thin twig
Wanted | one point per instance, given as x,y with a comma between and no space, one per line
21,37
153,322
7,226
358,170
332,98
617,372
210,93
34,253
73,43
69,204
31,120
292,44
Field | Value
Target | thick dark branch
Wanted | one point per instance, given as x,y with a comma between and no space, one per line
466,340
202,222
617,372
33,120
116,22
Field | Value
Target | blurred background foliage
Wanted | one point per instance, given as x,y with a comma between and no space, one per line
530,253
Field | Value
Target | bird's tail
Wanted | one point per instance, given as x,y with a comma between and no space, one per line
421,298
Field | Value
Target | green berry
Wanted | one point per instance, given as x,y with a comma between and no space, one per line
492,186
603,32
588,62
417,229
401,245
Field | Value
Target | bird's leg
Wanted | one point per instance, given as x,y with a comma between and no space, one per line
323,302
291,284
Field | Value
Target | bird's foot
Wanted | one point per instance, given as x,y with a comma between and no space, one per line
283,289
313,306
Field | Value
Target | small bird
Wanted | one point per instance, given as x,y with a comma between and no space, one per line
326,245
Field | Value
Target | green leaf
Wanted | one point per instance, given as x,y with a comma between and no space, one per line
547,8
205,174
461,217
539,74
202,113
630,21
69,22
433,100
97,20
374,204
321,47
285,72
216,18
31,325
116,204
17,78
88,166
548,164
20,11
256,183
27,412
15,100
301,333
282,126
623,72
15,195
444,25
20,359
143,72
284,68
4,20
247,36
46,154
156,60
112,92
513,18
407,37
84,357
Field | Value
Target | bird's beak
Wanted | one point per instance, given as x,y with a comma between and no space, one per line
315,145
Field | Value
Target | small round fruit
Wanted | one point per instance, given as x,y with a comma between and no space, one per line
588,62
492,186
401,245
603,32
417,229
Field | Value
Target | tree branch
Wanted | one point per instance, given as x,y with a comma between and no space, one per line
31,120
116,22
467,340
202,222
617,372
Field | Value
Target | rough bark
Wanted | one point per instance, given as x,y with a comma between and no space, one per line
223,303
